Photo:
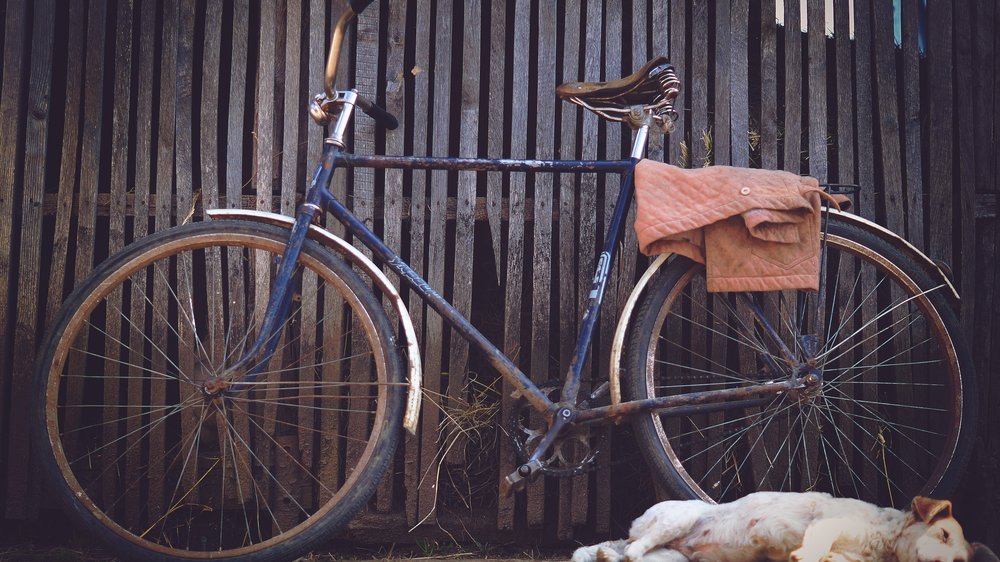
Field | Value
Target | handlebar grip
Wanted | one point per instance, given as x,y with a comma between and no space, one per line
358,6
380,115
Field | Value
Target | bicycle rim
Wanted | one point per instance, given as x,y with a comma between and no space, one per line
884,424
162,463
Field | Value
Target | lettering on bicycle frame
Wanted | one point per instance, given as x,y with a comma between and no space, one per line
411,276
603,263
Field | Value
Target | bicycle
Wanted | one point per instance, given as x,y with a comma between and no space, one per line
250,401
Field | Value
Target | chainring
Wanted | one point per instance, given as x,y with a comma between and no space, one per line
570,455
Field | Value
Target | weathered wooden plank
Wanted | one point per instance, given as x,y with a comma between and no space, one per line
586,246
816,26
613,70
159,498
541,241
659,42
865,162
701,137
885,79
116,237
940,181
768,87
793,88
465,218
678,57
845,92
739,87
13,56
134,461
433,345
722,52
572,494
366,74
513,289
67,168
912,153
90,161
294,108
495,130
395,100
21,487
966,196
418,207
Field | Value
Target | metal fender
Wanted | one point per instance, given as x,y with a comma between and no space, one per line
623,320
355,257
932,269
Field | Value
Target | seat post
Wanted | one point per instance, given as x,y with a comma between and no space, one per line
639,144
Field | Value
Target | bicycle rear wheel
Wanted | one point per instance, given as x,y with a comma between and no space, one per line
892,417
143,435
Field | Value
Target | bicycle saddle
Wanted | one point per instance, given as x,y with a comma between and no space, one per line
651,89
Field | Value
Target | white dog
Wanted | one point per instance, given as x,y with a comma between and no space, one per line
807,527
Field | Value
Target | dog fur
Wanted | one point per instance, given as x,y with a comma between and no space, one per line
796,527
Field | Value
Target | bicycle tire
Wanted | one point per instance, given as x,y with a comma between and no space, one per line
893,417
160,467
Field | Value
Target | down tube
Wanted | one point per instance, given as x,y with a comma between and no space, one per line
454,318
572,386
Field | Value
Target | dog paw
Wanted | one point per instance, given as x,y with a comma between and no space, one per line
801,555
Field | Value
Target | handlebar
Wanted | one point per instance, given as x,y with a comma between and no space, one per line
378,113
381,116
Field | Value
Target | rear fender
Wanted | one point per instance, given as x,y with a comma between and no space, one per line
355,257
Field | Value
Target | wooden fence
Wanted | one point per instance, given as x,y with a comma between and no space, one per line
162,108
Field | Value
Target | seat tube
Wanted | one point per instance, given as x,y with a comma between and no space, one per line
571,387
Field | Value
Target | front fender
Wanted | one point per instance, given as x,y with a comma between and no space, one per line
930,267
352,255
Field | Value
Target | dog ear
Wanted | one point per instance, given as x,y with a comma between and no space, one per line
930,509
982,553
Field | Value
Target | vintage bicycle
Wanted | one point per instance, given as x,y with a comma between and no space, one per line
234,388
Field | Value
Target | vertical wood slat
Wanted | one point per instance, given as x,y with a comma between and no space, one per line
396,74
14,55
465,219
434,343
965,261
678,55
612,69
768,87
116,238
541,241
514,278
90,143
20,485
494,199
816,33
864,99
418,189
572,493
888,124
721,125
184,289
912,164
134,462
587,194
739,87
158,498
939,181
793,88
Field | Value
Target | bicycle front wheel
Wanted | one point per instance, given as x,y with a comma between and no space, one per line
164,451
891,417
